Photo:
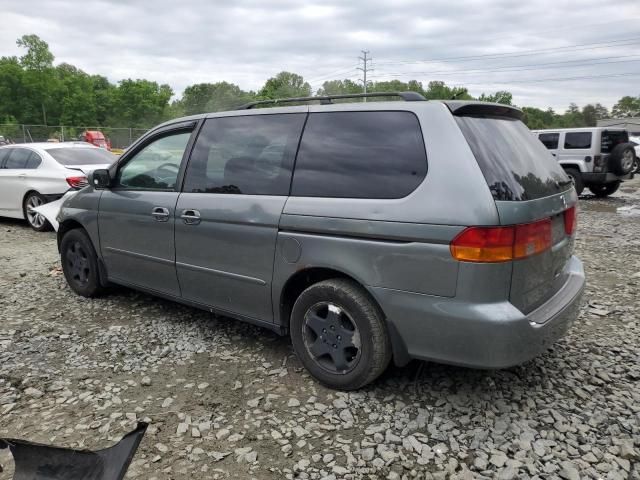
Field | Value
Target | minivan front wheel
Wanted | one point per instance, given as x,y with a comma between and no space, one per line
339,334
80,263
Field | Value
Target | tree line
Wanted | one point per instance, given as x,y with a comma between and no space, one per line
35,91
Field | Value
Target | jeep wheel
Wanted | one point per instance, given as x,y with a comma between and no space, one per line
80,263
576,179
339,334
604,189
622,159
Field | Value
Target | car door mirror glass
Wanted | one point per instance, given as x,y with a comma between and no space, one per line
100,179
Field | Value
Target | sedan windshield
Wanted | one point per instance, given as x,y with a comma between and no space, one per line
81,156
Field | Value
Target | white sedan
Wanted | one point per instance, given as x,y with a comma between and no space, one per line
33,174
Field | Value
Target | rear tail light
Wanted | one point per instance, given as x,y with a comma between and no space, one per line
570,220
598,163
502,244
77,182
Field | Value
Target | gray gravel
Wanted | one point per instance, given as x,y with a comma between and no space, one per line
228,400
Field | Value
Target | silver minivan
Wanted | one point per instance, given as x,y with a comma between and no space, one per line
432,230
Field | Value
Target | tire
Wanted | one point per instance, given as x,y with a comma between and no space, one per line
575,176
35,220
80,263
604,189
622,159
352,320
636,165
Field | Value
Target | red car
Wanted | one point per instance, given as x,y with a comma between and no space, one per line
96,138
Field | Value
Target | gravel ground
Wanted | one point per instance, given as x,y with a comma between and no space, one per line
229,400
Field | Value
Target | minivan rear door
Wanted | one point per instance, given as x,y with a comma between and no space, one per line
528,185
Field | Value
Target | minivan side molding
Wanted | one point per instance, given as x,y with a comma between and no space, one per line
235,276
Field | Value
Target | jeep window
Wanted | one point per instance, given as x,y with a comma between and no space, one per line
156,166
611,138
81,156
577,140
515,165
360,155
550,140
250,155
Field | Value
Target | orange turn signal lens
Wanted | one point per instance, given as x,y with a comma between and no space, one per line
502,244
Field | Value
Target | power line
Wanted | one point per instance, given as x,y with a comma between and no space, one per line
554,79
520,68
522,53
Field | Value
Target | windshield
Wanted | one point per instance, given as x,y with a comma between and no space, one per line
514,163
81,156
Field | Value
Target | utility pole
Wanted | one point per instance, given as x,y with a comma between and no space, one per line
365,68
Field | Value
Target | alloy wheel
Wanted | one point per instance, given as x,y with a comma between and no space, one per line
34,218
331,337
78,263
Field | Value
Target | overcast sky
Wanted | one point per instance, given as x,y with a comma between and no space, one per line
247,41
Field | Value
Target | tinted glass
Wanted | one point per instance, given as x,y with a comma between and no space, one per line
550,140
33,161
4,152
360,155
18,158
574,140
82,156
156,166
251,155
611,138
515,165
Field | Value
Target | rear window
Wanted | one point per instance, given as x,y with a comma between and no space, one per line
515,165
360,155
550,140
81,156
611,138
577,140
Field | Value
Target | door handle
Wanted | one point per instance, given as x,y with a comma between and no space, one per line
190,217
161,214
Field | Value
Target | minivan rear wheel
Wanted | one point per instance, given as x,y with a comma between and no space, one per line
80,263
339,334
576,179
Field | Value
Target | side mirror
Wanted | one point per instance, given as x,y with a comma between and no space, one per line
100,179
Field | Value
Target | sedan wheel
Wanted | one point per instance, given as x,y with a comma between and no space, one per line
35,220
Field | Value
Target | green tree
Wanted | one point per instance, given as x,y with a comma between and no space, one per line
627,107
38,78
285,85
139,103
213,97
340,87
500,96
38,56
438,90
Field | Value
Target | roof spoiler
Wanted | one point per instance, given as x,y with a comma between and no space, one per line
327,99
470,108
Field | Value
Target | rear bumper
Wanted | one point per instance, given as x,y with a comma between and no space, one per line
605,177
492,335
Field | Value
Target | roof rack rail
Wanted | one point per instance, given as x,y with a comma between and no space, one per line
327,99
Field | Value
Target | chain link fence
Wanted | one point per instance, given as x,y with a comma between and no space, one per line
120,138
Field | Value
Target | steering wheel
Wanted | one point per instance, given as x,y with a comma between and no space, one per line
168,166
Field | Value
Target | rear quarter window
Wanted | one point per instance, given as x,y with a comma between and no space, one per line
515,165
577,140
360,155
550,140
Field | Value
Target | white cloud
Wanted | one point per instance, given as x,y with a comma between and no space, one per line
246,41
